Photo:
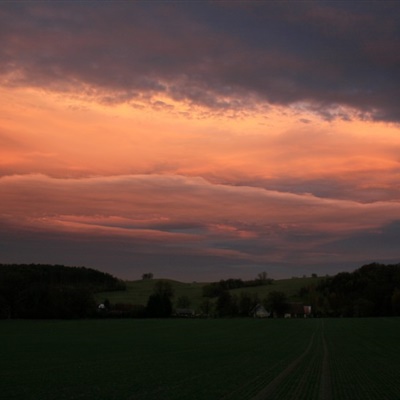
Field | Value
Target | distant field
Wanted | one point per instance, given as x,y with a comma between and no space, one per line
354,359
290,287
139,291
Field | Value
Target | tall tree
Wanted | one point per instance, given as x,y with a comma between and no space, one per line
159,304
277,302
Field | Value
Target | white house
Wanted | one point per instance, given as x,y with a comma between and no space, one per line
260,312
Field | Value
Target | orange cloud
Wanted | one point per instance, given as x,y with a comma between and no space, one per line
62,136
255,189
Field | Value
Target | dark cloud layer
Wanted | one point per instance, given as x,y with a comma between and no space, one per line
188,228
338,59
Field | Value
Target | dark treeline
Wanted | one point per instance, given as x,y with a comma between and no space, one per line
51,291
231,305
243,304
371,291
226,304
215,289
56,291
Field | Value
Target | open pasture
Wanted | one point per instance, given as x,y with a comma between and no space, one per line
201,359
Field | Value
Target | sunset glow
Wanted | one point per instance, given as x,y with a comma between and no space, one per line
139,137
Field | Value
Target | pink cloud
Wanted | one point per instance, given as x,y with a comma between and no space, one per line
140,202
177,215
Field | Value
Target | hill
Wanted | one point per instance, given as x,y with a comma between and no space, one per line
138,292
51,291
57,291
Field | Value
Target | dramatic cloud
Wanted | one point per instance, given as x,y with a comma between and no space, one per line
161,214
338,59
200,140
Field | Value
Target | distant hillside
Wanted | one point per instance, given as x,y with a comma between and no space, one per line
51,291
291,287
138,292
61,275
57,291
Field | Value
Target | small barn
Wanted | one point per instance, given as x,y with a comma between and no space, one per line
259,311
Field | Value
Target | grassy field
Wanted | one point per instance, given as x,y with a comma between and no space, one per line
201,359
139,291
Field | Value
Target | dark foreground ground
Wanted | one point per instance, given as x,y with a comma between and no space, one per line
201,359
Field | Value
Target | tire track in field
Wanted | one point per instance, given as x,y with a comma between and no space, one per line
306,387
311,363
276,382
325,391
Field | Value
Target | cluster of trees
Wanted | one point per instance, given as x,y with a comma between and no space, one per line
230,305
215,289
371,291
242,305
51,291
159,305
226,304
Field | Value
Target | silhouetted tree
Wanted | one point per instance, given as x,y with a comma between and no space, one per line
277,302
246,303
206,307
227,305
183,302
262,277
159,303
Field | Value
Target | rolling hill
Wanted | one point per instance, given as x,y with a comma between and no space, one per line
137,292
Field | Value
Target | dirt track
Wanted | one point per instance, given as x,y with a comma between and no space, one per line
304,376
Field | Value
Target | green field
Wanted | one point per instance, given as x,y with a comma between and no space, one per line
138,292
201,359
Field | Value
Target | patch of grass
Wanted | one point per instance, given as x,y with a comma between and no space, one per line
290,287
138,292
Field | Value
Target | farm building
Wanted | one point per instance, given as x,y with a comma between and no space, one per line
259,312
298,310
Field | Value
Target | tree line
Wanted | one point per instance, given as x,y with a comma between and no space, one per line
51,291
243,304
370,291
215,289
56,291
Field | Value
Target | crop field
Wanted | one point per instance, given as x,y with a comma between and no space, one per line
201,359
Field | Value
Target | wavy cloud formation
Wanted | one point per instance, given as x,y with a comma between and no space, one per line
200,140
180,216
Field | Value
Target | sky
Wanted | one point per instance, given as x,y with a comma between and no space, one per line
200,140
